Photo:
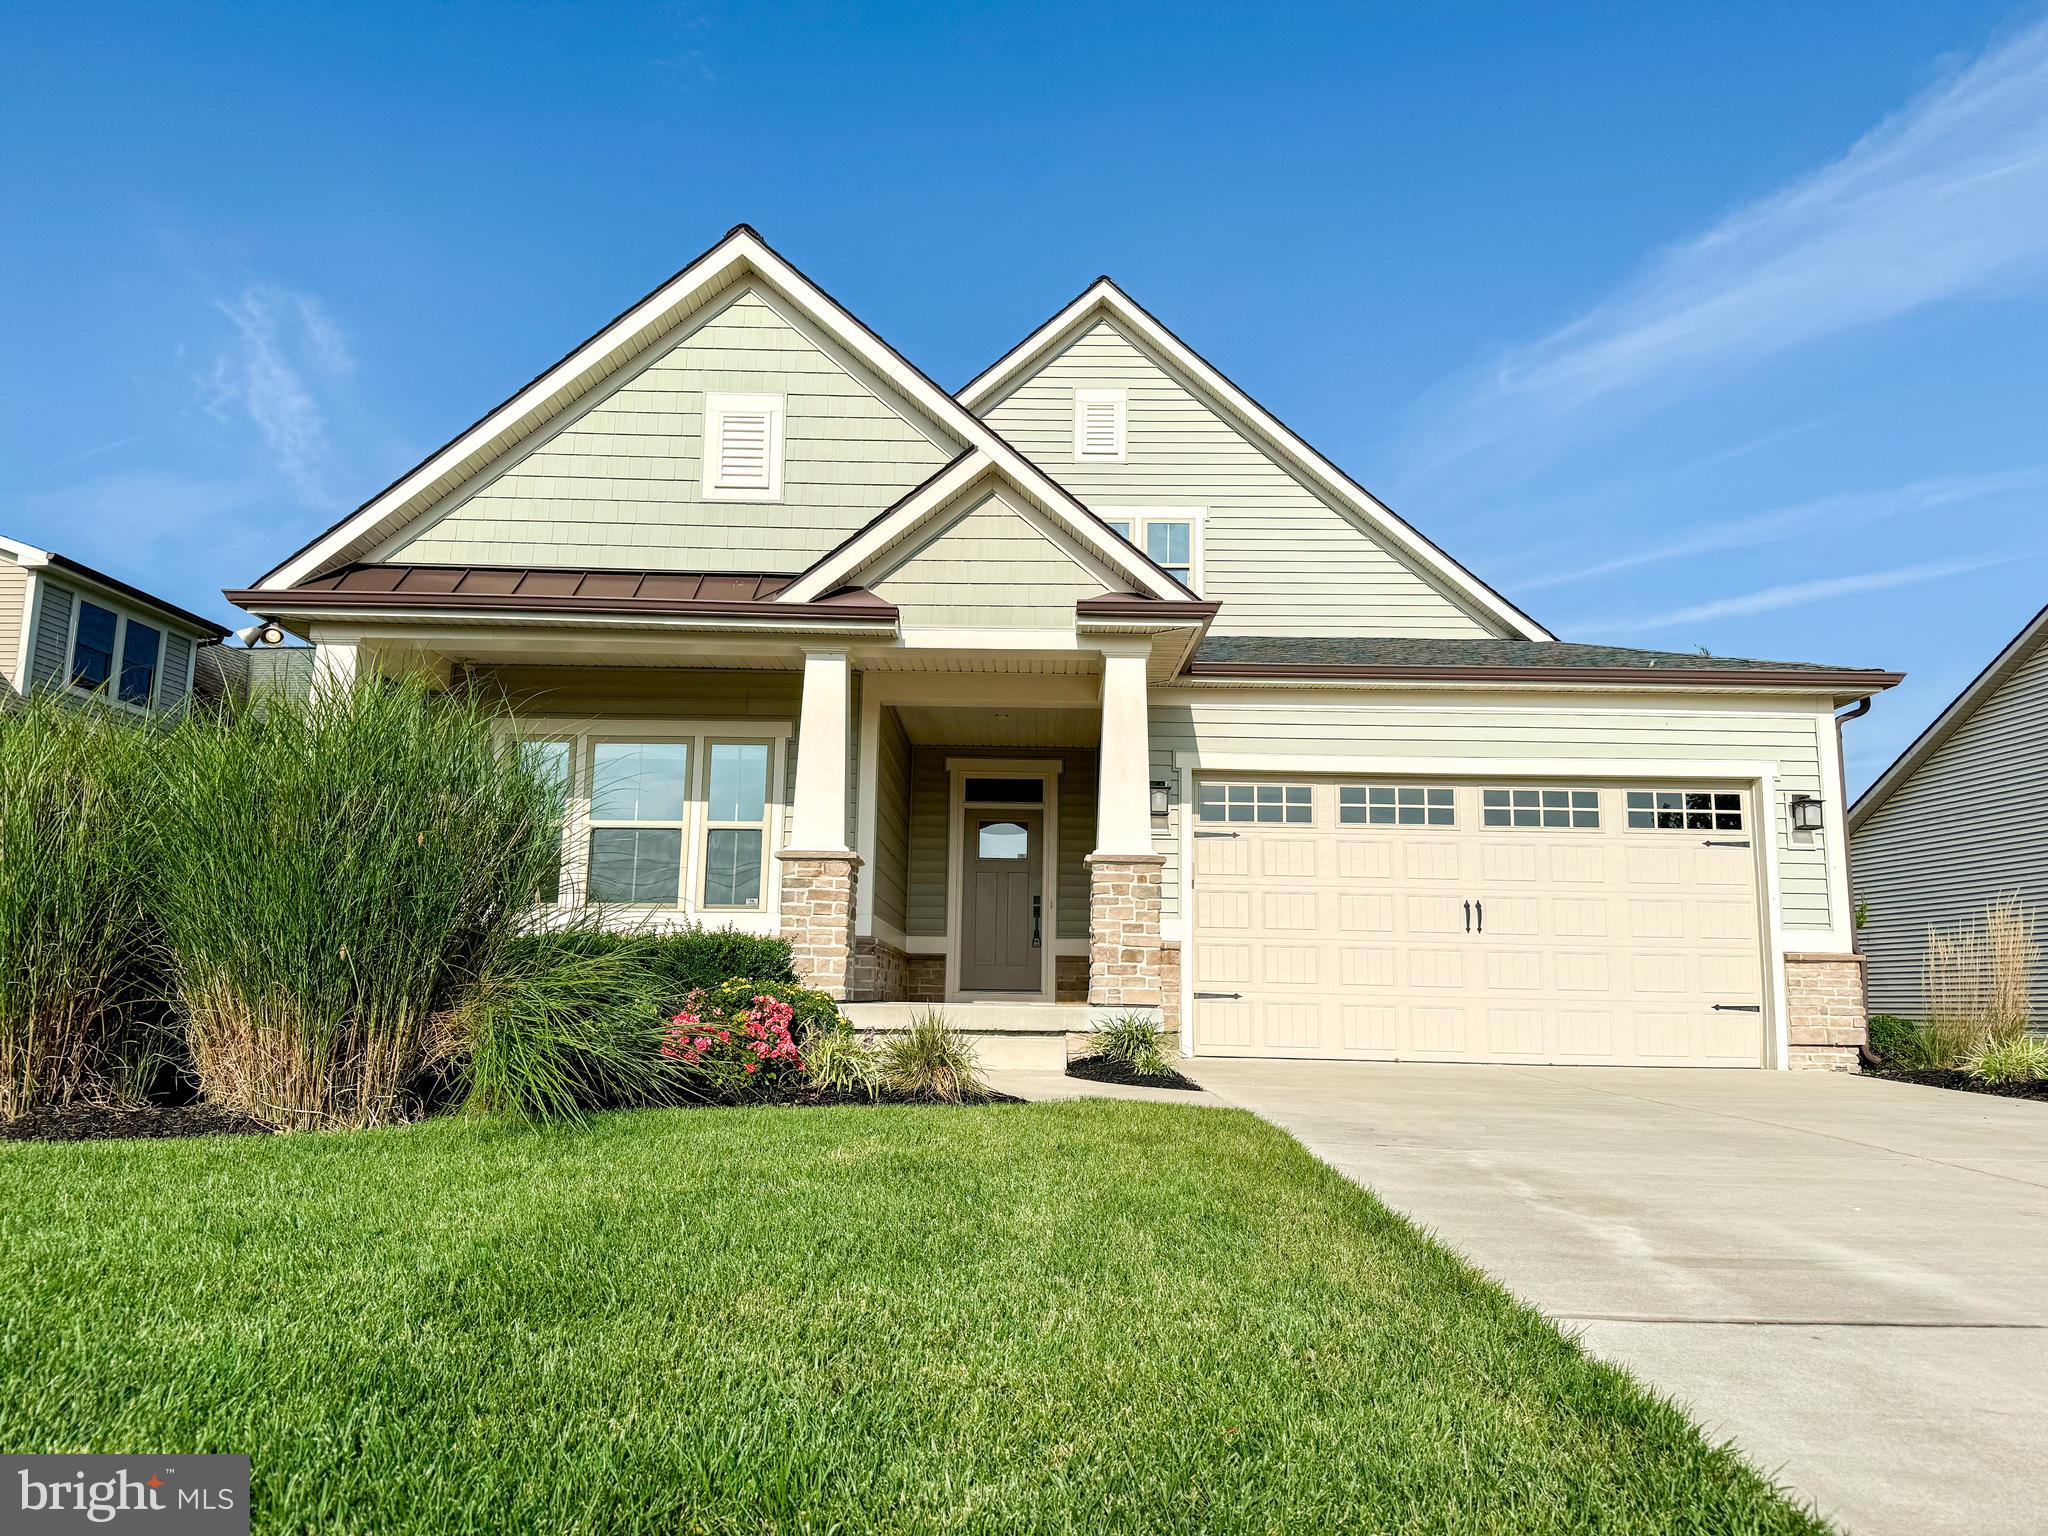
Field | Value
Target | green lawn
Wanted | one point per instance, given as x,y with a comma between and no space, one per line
1079,1317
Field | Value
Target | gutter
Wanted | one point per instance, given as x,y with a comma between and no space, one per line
1859,682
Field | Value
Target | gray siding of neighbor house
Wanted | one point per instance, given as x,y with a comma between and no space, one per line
13,614
1282,560
175,663
930,835
1969,825
48,665
620,482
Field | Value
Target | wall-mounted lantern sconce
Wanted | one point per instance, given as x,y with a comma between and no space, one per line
1805,813
1161,794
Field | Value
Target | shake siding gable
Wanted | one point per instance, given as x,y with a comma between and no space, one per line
989,568
1280,558
619,483
1968,826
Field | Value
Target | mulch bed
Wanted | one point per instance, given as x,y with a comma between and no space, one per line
1107,1069
1949,1077
102,1122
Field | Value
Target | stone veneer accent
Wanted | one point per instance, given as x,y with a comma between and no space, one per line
1169,986
817,916
1827,1016
1070,978
924,979
1124,960
879,972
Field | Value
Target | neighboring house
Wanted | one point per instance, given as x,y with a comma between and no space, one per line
1093,684
68,627
1958,822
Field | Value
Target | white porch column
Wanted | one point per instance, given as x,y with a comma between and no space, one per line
1123,797
335,665
818,819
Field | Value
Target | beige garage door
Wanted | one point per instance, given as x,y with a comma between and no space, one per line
1385,919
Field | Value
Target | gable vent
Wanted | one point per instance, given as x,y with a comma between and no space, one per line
1099,424
743,447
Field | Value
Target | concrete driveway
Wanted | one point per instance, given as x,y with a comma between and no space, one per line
1844,1276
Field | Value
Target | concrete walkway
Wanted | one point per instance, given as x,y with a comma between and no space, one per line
1845,1276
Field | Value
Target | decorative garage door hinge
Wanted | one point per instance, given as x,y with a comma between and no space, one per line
1738,1007
1217,997
1215,834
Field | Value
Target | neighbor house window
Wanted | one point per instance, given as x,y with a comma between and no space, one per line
1571,808
92,646
1255,802
735,822
1685,810
743,447
1101,425
639,798
141,649
1388,805
1170,536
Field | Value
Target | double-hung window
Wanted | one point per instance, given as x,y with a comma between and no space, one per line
548,759
98,635
1170,536
735,823
639,804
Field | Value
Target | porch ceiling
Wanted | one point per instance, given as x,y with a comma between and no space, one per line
935,725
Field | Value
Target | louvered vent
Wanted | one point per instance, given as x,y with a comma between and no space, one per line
743,447
743,451
1099,424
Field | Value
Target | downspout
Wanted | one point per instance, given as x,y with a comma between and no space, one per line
1867,1058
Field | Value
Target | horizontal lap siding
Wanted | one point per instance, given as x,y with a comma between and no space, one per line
13,614
621,483
1969,826
891,873
989,569
177,661
1280,558
1319,726
48,664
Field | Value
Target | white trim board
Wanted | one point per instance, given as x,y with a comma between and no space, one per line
1103,298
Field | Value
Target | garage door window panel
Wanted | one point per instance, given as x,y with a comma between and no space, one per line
1685,810
1557,809
1396,805
1288,804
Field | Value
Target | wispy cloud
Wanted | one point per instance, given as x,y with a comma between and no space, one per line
1947,197
286,349
1792,595
1848,510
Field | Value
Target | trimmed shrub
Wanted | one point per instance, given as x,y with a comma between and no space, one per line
2018,1059
1897,1040
550,1032
930,1060
1136,1042
75,980
329,875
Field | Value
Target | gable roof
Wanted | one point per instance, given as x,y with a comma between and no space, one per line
27,555
741,256
1104,299
1950,720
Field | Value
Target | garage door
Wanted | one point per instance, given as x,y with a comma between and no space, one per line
1381,919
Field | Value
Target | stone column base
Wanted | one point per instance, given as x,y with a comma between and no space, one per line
878,972
1827,1018
817,916
1125,967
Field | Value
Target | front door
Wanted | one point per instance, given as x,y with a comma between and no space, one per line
1001,897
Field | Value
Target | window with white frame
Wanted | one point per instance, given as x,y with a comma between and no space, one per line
1396,805
1290,803
735,823
1568,808
99,635
1170,536
639,810
667,817
742,447
1101,425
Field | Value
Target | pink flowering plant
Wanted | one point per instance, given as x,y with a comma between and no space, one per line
736,1040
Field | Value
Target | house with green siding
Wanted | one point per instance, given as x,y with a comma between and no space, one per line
1091,689
68,628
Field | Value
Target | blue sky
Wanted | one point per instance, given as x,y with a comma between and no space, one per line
1687,326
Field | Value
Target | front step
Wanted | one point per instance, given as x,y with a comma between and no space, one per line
1007,1037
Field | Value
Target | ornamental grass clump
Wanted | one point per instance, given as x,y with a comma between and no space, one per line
1977,976
838,1059
75,979
930,1060
329,875
1137,1043
2021,1059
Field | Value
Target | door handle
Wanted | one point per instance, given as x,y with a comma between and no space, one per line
1479,909
1037,902
1468,917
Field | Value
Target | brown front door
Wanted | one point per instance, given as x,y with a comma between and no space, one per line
1001,891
